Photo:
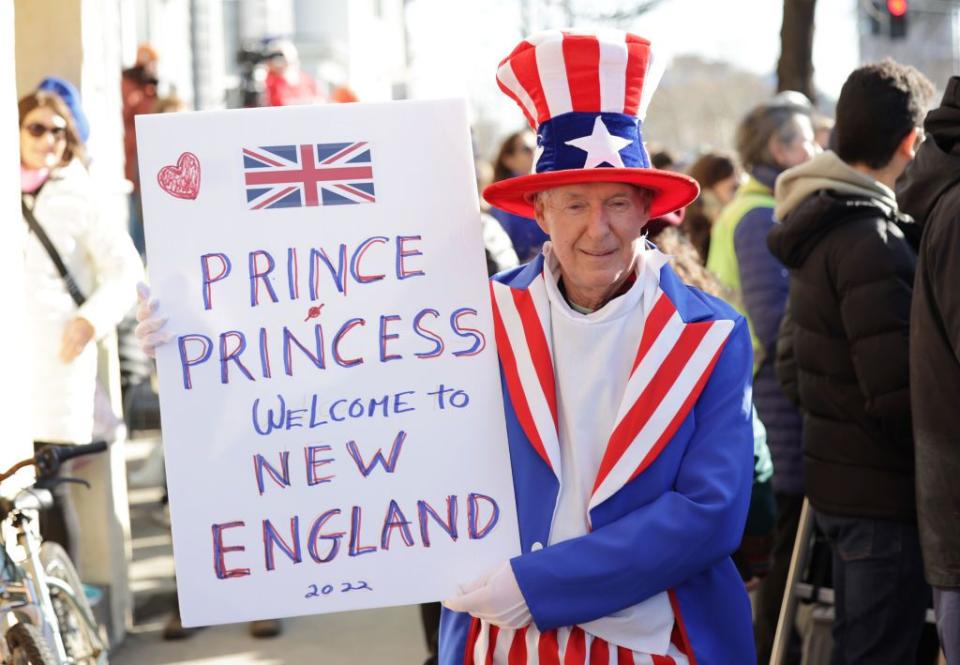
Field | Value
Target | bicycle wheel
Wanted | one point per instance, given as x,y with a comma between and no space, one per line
74,615
27,646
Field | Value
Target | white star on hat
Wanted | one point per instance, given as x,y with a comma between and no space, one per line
601,146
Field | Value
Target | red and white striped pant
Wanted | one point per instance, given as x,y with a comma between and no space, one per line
489,645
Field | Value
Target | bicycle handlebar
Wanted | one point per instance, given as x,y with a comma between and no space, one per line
48,459
64,453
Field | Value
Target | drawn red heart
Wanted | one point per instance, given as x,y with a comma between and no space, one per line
182,180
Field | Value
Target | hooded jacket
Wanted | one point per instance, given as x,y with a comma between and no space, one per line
851,266
930,192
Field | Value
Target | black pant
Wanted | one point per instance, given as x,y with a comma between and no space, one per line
430,614
880,596
60,524
770,594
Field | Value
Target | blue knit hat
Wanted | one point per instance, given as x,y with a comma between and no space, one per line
71,97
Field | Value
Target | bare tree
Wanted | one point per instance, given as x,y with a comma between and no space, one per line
795,69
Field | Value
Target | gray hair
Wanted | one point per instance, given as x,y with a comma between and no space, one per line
763,123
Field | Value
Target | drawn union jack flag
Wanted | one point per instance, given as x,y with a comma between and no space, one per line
293,176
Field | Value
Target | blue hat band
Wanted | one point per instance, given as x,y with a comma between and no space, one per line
555,135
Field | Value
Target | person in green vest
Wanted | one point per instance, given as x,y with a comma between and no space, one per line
771,138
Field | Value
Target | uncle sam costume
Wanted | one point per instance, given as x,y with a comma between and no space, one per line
629,427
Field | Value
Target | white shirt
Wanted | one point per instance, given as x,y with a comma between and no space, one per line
592,357
605,341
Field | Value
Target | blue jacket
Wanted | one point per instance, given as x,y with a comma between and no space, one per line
668,523
764,285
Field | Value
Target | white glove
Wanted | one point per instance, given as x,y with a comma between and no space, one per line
495,598
149,332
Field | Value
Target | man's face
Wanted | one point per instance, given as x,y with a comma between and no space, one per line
595,230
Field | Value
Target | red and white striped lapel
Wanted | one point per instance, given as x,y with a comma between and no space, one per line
672,365
524,342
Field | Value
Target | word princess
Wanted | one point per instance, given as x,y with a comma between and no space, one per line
348,342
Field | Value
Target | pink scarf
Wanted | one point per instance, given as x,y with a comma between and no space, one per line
32,179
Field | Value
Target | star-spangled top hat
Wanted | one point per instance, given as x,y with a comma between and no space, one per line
586,94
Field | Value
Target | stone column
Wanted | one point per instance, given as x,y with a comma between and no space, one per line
16,433
167,29
206,28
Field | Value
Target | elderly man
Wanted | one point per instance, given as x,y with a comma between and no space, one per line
627,396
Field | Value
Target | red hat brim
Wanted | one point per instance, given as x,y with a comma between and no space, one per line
672,191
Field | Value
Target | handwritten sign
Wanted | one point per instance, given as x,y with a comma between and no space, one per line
332,416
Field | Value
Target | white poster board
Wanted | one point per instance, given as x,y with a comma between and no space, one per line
332,415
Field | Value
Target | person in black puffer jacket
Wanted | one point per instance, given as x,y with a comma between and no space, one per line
930,192
852,257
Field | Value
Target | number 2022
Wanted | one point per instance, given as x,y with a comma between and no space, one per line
315,591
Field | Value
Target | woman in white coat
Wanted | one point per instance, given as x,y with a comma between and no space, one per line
60,203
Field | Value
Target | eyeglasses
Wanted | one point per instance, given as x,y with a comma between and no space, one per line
38,129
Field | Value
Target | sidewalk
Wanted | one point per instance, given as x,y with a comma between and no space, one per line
391,635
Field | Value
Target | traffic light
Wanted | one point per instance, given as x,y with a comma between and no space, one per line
897,18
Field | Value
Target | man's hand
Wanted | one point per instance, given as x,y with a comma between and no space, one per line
495,598
76,335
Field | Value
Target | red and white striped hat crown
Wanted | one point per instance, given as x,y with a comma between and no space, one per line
586,94
557,72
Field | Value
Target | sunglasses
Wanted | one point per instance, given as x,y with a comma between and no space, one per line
37,129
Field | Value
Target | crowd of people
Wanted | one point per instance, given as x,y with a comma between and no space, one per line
834,240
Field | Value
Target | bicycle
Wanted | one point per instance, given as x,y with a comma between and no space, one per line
42,602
